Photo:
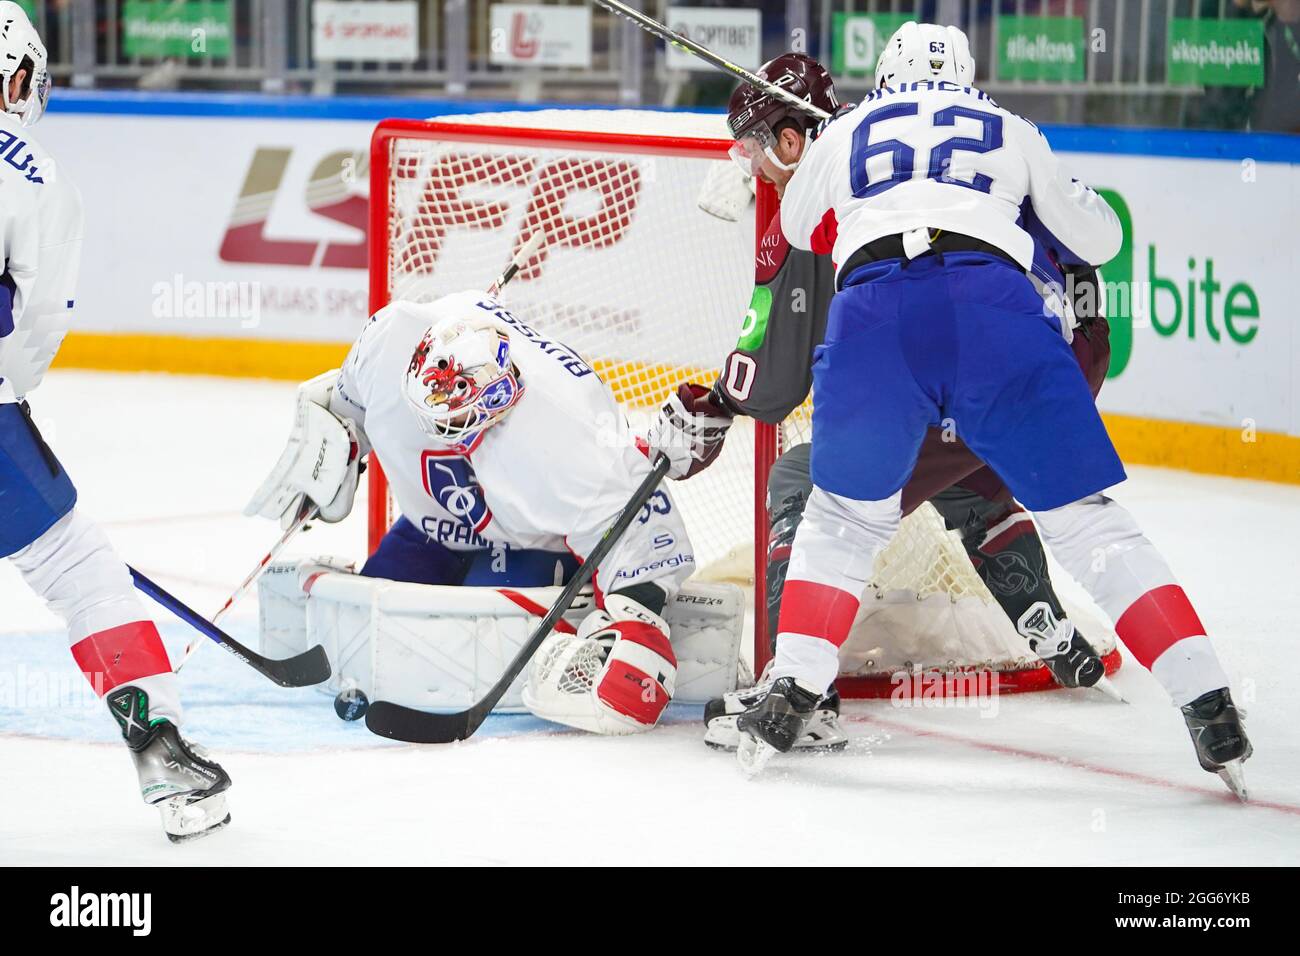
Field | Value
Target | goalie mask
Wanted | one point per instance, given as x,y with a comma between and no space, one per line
21,49
925,51
460,380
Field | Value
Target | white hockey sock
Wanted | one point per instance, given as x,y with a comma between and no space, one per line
75,569
834,551
1097,541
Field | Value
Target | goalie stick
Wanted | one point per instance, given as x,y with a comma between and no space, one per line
657,29
421,727
302,670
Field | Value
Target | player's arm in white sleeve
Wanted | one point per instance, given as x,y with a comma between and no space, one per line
809,195
1076,215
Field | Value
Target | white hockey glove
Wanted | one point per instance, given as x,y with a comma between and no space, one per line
321,462
689,430
614,676
726,193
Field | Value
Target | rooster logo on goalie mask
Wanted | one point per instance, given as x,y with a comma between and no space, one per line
925,51
755,118
460,380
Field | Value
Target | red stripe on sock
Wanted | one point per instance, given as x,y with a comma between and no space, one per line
121,654
817,610
1156,622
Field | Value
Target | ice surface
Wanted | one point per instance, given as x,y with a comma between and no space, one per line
1070,778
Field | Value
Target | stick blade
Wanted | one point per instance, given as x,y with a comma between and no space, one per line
307,669
418,726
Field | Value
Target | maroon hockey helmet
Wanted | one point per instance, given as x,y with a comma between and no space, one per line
755,115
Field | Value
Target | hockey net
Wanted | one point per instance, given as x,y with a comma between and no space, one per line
652,290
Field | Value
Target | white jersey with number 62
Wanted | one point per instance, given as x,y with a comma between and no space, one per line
940,156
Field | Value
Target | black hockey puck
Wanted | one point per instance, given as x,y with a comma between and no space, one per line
351,704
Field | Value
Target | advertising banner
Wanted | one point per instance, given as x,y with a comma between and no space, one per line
273,224
734,35
1040,48
1216,52
535,35
195,28
388,32
858,38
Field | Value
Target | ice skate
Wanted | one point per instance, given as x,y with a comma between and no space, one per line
176,776
1073,661
822,733
774,722
1219,737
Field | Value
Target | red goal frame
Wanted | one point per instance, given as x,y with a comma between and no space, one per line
766,439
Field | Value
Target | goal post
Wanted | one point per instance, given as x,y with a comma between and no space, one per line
652,290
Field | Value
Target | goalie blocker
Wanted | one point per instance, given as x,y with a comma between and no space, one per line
439,648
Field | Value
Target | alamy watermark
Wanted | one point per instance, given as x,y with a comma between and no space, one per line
178,298
937,689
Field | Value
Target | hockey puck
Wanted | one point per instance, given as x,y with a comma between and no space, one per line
351,704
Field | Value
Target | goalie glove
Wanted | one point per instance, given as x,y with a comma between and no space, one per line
689,430
321,461
615,676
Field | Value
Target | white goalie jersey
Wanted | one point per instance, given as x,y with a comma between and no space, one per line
552,475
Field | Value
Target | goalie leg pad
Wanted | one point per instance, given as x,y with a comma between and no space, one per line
444,647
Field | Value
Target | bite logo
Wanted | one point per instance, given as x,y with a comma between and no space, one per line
1198,308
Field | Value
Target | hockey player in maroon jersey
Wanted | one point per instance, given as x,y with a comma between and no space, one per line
769,375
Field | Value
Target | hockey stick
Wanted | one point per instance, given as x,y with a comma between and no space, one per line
302,670
305,514
657,29
517,262
421,727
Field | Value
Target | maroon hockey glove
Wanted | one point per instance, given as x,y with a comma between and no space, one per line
689,430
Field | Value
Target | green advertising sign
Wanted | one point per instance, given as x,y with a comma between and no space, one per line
29,8
1040,48
1216,52
189,28
858,38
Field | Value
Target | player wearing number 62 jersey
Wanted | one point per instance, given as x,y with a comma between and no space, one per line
509,458
920,194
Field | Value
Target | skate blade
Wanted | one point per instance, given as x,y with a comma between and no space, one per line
753,755
822,735
1110,690
1234,776
183,821
190,837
